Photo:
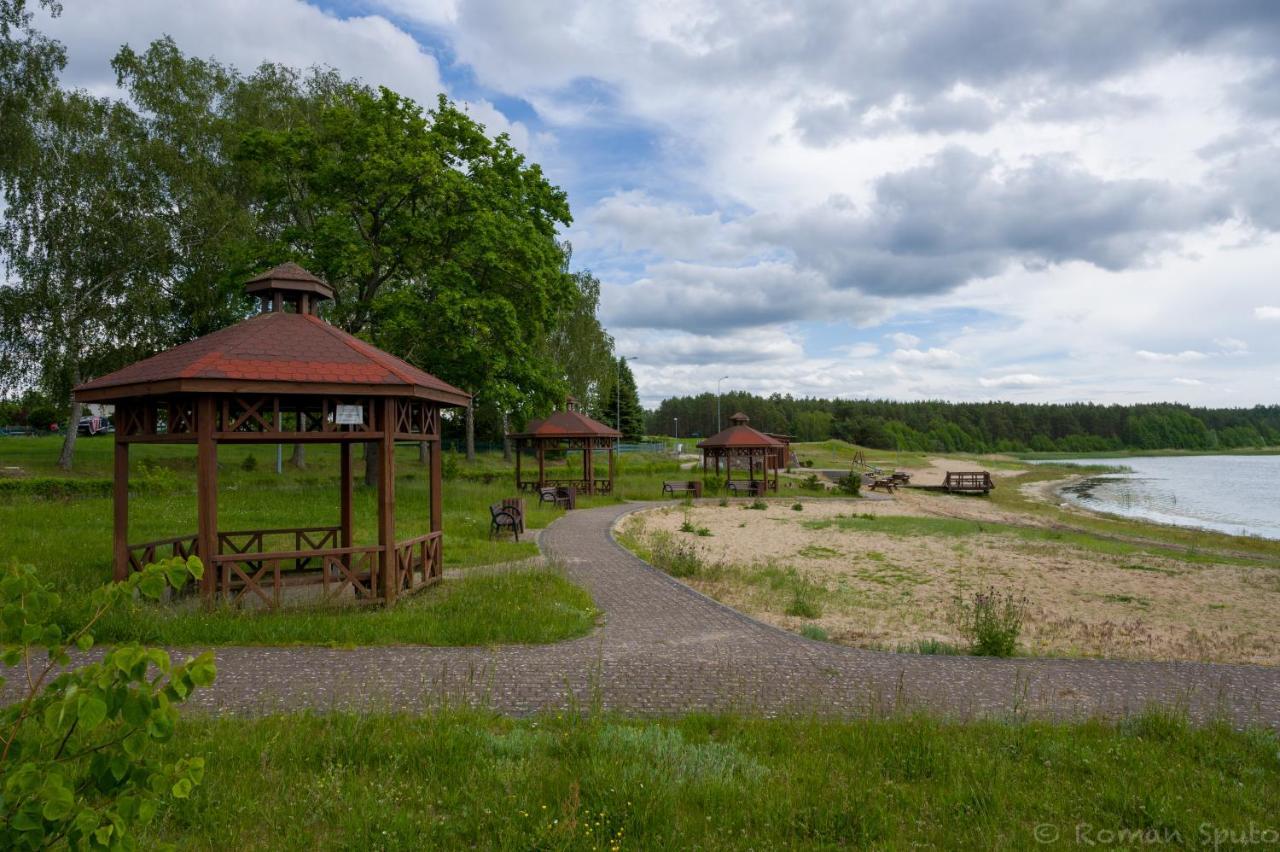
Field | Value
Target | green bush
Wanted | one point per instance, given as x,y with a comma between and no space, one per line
990,621
758,505
851,484
54,488
797,507
250,463
676,558
813,631
811,483
78,764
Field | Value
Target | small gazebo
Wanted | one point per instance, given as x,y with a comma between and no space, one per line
283,376
567,431
741,443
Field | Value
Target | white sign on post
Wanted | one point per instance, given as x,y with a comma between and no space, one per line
349,415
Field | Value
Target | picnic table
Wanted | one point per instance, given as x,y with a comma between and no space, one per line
886,483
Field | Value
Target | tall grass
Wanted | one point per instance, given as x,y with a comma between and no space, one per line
468,779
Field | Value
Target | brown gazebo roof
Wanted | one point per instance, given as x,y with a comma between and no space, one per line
274,352
567,424
738,436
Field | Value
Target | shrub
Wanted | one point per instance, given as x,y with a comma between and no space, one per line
758,504
449,466
250,463
54,488
851,484
804,603
811,483
990,622
797,507
724,501
77,761
676,558
712,484
813,631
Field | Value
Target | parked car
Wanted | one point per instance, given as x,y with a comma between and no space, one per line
96,426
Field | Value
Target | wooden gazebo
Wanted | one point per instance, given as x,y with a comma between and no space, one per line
567,431
741,443
282,376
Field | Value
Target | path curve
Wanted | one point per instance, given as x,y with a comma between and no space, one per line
664,648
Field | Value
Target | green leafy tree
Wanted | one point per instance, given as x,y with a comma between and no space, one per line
77,750
619,403
29,66
85,257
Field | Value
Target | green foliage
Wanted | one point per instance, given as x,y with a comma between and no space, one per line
814,632
851,484
990,622
78,762
54,488
757,504
982,427
618,397
676,558
797,507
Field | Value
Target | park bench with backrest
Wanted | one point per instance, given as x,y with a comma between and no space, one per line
971,481
692,487
563,496
505,518
751,487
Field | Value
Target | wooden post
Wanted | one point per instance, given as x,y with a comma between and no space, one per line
437,487
207,494
613,467
387,502
542,467
346,515
589,468
519,484
120,507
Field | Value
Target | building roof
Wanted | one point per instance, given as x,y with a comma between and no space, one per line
290,278
275,352
567,424
739,436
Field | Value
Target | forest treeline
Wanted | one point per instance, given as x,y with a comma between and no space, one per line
977,427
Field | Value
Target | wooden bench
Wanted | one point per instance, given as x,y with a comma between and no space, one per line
505,518
692,487
901,477
752,487
886,483
970,481
563,496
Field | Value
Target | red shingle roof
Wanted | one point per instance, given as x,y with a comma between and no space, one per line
567,424
271,349
739,435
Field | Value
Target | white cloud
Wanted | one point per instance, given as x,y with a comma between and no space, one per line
1232,345
1171,357
932,357
1195,383
859,350
904,340
1267,312
1016,380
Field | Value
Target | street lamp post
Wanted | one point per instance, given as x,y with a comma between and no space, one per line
676,428
718,381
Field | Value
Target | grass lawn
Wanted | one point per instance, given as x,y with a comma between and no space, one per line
464,779
62,524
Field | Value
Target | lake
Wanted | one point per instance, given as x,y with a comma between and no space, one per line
1232,494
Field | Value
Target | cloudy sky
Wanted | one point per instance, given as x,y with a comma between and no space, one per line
970,200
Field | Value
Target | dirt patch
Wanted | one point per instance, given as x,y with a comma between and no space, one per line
885,574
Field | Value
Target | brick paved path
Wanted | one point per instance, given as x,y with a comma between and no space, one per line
663,648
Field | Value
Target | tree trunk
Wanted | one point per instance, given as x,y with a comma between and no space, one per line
371,454
422,453
506,441
69,440
299,457
471,430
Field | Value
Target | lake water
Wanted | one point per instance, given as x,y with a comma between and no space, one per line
1232,494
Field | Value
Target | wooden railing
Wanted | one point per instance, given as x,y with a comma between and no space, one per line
603,486
245,567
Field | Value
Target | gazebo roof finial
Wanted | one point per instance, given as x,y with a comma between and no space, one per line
739,419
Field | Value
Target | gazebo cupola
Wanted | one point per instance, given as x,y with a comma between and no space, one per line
283,376
289,286
747,447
